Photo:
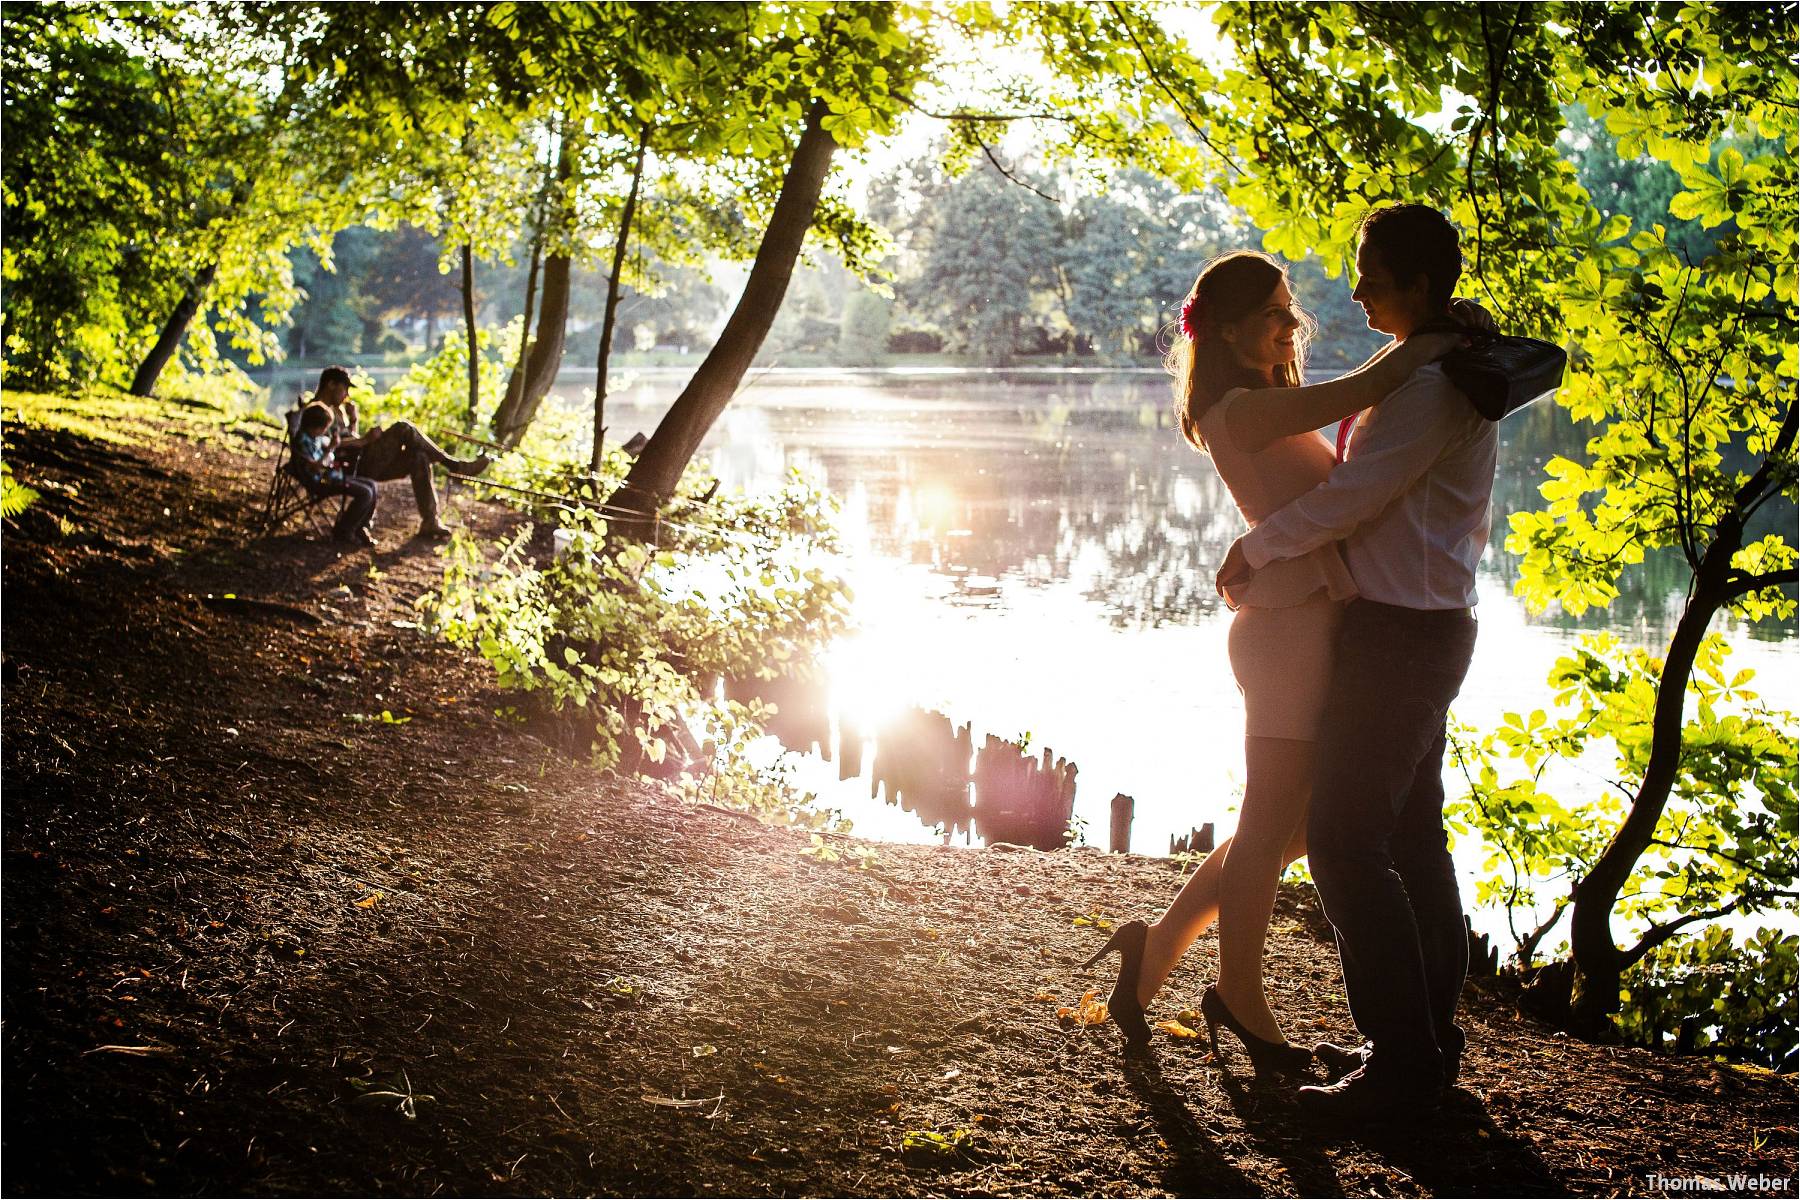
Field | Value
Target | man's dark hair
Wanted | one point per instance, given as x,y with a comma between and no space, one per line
335,375
1413,240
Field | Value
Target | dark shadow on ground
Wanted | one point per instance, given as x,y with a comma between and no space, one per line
1458,1152
1198,1168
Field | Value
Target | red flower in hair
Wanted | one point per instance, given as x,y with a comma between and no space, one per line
1190,317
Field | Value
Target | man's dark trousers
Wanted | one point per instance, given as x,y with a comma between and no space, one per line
401,451
1375,833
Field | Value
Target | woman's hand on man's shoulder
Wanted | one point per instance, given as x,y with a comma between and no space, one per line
1465,311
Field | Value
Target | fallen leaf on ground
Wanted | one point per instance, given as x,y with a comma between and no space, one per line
1176,1029
1086,1011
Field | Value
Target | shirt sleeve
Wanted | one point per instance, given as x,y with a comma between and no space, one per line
1397,443
314,450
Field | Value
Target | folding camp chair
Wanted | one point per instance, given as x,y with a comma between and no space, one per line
288,496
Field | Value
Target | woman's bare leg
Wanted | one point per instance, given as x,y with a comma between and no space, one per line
1271,833
1197,905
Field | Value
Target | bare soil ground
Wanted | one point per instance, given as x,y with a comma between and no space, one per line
259,940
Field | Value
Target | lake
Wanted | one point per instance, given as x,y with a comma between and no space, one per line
1032,552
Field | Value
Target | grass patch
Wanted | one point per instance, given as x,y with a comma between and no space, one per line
108,415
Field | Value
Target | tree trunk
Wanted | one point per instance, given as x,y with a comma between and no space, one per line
373,329
468,299
536,371
546,351
546,354
658,469
612,303
1599,962
515,385
143,383
174,329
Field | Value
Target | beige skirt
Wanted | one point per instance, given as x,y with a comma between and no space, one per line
1282,660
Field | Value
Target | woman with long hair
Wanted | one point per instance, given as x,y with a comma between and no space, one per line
1239,394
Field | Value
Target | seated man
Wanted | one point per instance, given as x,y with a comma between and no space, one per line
392,452
316,466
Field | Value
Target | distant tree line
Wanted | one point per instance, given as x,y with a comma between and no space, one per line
386,296
983,269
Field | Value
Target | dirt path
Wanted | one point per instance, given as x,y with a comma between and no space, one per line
259,939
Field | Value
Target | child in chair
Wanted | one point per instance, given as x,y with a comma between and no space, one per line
315,459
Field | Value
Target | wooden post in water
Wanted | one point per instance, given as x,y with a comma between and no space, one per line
850,749
1197,841
954,780
1119,840
801,721
1021,798
924,762
1064,813
878,771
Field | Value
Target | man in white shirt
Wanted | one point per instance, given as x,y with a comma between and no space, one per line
1411,503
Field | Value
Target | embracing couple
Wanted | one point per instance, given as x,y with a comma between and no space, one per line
1353,629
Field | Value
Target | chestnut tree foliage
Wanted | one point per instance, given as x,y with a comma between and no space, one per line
161,160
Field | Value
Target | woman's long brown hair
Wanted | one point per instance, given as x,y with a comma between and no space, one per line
1230,287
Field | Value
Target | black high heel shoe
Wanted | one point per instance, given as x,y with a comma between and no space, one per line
1127,1013
1281,1058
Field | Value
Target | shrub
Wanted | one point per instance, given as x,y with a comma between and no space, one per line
626,644
1710,994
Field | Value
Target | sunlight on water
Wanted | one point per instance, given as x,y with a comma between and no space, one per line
1032,553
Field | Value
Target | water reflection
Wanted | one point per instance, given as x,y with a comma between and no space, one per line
1034,478
1018,479
1033,553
